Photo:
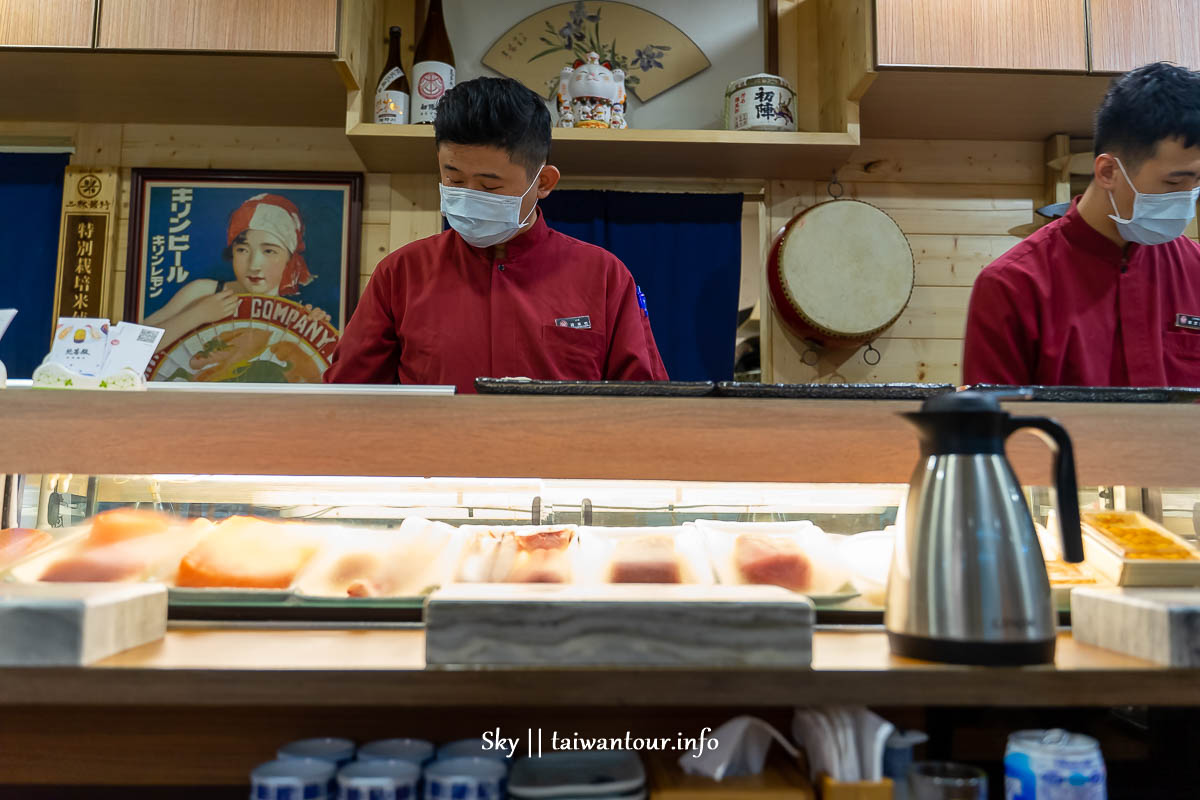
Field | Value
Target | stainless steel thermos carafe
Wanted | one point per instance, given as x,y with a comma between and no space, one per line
968,581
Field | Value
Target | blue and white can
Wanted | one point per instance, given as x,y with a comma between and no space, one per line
1053,765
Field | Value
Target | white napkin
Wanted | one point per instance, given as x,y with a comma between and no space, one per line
742,748
813,731
846,743
872,732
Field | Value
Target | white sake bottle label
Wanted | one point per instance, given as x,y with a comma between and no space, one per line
391,108
431,80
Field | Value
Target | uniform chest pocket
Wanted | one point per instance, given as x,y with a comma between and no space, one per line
1182,345
573,353
1181,358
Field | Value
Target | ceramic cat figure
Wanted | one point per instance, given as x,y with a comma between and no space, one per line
591,94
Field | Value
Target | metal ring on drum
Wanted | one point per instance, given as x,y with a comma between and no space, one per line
840,273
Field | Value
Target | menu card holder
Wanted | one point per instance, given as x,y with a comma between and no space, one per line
52,375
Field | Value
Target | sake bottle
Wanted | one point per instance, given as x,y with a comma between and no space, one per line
391,94
433,70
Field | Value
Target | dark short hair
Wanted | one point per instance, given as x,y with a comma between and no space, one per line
498,112
1145,106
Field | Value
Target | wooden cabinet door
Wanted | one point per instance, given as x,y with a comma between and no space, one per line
1130,33
985,34
268,26
46,23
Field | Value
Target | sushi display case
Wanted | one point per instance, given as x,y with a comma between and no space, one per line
337,550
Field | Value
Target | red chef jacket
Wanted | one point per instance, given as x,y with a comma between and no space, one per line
439,311
1068,307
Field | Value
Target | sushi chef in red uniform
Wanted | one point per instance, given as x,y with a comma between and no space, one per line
500,294
1108,295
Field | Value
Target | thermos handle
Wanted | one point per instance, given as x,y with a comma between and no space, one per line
1065,485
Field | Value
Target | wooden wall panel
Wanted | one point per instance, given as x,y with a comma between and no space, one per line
989,34
1130,33
415,210
945,161
955,260
238,147
286,26
46,23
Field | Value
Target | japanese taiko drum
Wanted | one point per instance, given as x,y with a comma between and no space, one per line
840,273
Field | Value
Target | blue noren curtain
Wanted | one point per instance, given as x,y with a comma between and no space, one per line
30,205
684,251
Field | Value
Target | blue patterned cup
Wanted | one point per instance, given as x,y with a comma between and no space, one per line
379,780
468,748
418,751
291,779
465,779
338,752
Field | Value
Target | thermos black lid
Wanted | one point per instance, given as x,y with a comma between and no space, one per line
970,402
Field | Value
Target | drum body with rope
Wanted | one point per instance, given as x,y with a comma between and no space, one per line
840,273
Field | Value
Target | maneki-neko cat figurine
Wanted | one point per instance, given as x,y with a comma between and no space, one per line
591,94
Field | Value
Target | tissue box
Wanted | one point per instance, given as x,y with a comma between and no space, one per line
72,624
617,625
862,790
781,779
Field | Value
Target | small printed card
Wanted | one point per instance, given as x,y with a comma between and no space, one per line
80,345
130,345
6,316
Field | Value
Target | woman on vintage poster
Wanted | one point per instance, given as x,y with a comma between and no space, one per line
259,315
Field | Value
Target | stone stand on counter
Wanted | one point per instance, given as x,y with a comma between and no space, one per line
1159,625
72,624
618,625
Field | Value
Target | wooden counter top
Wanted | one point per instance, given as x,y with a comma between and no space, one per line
205,667
652,438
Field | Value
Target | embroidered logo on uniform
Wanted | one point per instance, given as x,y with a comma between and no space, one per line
1189,321
584,322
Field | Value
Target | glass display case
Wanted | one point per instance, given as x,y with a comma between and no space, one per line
366,549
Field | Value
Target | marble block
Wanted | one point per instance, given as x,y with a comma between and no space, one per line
71,624
617,625
1159,625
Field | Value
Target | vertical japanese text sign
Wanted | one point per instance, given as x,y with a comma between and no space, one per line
86,236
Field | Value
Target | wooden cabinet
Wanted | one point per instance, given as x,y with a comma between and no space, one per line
46,23
1130,33
267,26
985,34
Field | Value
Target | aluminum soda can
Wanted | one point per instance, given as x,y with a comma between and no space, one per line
1053,765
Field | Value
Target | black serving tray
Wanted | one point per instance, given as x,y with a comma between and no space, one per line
595,388
835,391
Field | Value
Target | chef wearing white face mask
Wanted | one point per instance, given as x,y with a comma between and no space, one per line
500,294
1109,294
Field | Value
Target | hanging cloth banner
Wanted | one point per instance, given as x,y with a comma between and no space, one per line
86,240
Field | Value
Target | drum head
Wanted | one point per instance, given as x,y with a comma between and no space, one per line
844,269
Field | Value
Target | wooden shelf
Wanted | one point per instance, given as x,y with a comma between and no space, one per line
202,89
203,706
699,439
1006,106
634,153
386,668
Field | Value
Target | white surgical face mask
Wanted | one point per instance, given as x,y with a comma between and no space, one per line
483,219
1157,218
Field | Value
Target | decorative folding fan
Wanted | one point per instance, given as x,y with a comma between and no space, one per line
654,53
